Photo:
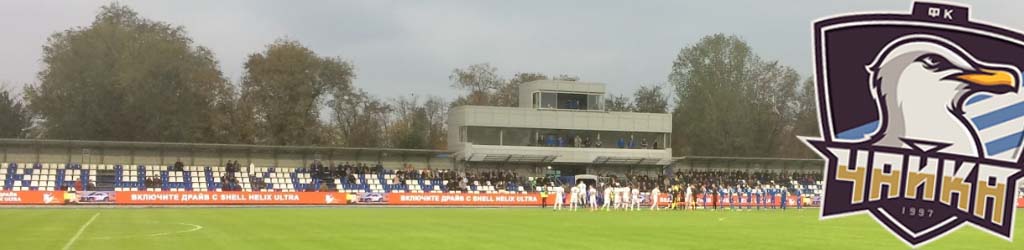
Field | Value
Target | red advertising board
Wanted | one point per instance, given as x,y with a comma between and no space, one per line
31,198
229,198
532,199
743,201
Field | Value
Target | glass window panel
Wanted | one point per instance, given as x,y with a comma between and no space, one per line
594,102
536,100
549,100
519,137
484,136
572,101
566,138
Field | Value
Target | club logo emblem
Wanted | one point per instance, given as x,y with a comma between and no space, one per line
922,119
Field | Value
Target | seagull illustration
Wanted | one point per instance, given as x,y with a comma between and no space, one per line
921,83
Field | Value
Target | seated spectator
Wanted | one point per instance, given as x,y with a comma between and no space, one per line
179,166
233,167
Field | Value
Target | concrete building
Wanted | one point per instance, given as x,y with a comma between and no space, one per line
562,124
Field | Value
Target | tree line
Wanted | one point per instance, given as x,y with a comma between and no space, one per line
128,78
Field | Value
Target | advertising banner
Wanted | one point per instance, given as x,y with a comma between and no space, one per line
532,199
96,197
329,198
372,198
31,198
743,201
230,198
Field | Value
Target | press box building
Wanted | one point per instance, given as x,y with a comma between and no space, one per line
562,124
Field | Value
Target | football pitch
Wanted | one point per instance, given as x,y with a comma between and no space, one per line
451,228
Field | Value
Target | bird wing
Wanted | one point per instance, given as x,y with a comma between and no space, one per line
999,122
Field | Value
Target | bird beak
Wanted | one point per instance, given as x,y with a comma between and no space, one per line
991,78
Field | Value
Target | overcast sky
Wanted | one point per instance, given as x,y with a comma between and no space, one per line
404,47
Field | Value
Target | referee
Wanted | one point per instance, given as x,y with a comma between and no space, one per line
543,197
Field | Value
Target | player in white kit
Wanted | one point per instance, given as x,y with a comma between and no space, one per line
607,198
654,198
574,198
583,193
625,197
559,197
690,202
635,199
593,198
618,198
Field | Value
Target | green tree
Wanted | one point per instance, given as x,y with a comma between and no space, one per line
418,125
807,109
480,80
650,99
486,87
408,128
286,84
507,95
236,122
436,110
360,120
14,117
618,103
730,101
806,120
127,78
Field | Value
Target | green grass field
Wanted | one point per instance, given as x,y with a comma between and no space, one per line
452,228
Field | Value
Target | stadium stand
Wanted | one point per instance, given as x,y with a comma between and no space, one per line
347,178
42,177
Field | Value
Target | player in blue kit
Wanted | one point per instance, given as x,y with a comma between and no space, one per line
750,197
785,193
730,193
759,197
704,196
799,198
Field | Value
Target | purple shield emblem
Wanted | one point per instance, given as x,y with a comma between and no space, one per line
922,119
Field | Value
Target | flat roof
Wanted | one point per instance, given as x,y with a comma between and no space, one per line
210,146
562,86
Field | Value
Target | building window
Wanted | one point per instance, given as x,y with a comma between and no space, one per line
536,100
534,137
549,100
484,135
594,102
572,101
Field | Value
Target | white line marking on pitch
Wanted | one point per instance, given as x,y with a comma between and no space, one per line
157,234
80,230
193,229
